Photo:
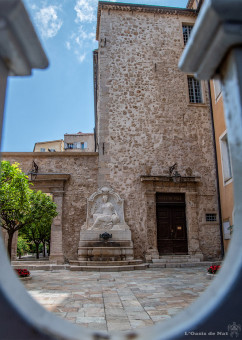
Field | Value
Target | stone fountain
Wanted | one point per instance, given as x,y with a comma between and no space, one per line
105,215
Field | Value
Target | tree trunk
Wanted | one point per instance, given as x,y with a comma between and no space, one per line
37,250
10,240
43,249
48,242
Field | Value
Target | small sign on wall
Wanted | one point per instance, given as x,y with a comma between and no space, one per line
226,228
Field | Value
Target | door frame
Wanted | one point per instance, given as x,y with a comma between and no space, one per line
172,203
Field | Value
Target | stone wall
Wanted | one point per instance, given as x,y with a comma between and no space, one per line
81,184
145,124
145,120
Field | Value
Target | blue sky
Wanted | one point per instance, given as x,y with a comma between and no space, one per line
57,100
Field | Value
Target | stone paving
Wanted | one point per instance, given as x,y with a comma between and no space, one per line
118,300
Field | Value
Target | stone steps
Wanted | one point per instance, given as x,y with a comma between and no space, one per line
183,264
105,263
36,265
177,259
180,261
109,268
26,263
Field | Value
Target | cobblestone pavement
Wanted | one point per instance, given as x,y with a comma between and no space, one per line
117,301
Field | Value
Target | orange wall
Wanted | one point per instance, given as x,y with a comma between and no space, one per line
226,191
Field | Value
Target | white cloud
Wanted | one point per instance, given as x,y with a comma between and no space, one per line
68,45
83,37
81,57
86,35
33,6
80,41
48,21
85,10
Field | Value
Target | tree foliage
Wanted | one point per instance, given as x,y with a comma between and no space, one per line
23,208
22,246
14,199
37,228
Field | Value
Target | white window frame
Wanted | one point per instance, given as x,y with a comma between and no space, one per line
69,146
217,89
227,170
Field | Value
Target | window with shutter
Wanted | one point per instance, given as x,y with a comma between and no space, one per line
225,154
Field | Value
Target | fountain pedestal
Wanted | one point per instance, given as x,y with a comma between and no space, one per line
94,248
105,238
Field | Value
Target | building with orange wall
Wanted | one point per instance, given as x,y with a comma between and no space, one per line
225,174
224,168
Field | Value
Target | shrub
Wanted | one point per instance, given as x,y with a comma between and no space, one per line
213,269
22,272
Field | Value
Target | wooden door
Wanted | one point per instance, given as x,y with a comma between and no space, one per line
171,224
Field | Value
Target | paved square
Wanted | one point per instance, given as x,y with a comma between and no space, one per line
120,300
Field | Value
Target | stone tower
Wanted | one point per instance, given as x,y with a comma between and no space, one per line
154,131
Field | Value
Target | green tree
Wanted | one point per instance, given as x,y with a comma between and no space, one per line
22,246
37,228
14,199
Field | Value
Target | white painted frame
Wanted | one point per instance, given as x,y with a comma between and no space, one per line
217,95
223,161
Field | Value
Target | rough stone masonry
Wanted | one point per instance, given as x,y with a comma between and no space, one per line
144,125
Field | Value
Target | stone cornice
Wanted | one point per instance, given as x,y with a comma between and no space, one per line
48,154
119,6
49,177
176,179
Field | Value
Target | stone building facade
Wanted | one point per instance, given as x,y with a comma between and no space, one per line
49,146
74,142
71,178
154,146
145,124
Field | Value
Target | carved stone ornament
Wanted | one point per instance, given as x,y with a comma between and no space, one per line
105,211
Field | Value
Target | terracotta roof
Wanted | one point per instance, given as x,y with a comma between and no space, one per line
119,6
50,141
79,134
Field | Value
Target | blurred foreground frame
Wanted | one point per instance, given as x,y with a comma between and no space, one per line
214,50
